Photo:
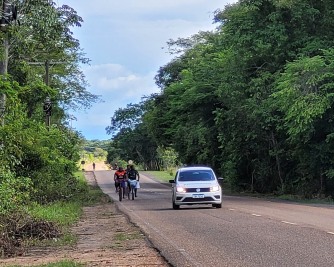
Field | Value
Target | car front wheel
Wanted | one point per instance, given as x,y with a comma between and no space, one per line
175,207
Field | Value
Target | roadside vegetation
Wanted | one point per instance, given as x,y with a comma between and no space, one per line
162,176
47,224
252,99
40,195
93,151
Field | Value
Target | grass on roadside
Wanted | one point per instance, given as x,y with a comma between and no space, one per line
299,199
127,236
90,197
59,264
162,176
66,213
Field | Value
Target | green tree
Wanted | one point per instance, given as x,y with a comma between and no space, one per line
41,159
132,139
38,42
305,98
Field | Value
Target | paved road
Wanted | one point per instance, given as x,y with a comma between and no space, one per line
245,232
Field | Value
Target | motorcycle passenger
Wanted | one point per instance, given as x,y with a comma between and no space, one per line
132,174
119,177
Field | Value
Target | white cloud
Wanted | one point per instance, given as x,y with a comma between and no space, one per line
112,80
117,87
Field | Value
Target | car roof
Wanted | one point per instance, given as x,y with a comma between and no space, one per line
195,168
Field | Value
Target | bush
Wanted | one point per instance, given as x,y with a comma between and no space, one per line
14,192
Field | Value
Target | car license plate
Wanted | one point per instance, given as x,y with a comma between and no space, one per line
198,196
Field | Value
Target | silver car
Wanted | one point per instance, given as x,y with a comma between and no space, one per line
196,185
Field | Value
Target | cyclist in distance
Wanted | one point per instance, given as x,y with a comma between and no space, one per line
132,174
119,176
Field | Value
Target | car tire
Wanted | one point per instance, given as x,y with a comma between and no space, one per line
218,206
175,207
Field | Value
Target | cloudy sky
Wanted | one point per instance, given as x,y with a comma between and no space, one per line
125,41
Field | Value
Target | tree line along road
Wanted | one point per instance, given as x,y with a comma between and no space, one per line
245,232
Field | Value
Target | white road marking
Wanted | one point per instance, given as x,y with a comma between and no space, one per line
257,215
231,209
289,223
331,233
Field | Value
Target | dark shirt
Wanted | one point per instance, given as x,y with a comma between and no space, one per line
132,174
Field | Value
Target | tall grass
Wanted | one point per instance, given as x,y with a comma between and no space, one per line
62,213
68,212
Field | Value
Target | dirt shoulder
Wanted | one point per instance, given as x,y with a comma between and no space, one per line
105,238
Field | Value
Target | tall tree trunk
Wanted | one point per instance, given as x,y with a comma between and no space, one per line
3,71
321,184
252,185
278,162
142,159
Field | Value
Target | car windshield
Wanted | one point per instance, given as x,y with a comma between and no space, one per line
198,175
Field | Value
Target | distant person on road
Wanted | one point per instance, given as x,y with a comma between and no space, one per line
93,166
132,174
119,176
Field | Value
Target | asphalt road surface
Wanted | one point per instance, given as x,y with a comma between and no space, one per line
244,232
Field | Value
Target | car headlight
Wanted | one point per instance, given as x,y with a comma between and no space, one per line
214,188
180,189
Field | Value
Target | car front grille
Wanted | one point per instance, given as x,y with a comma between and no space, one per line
190,190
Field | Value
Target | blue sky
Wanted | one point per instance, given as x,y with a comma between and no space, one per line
124,40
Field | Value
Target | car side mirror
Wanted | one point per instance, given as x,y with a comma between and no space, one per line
220,180
172,181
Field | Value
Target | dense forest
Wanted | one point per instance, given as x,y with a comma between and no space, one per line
253,99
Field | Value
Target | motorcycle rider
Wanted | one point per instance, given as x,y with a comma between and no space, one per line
119,177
